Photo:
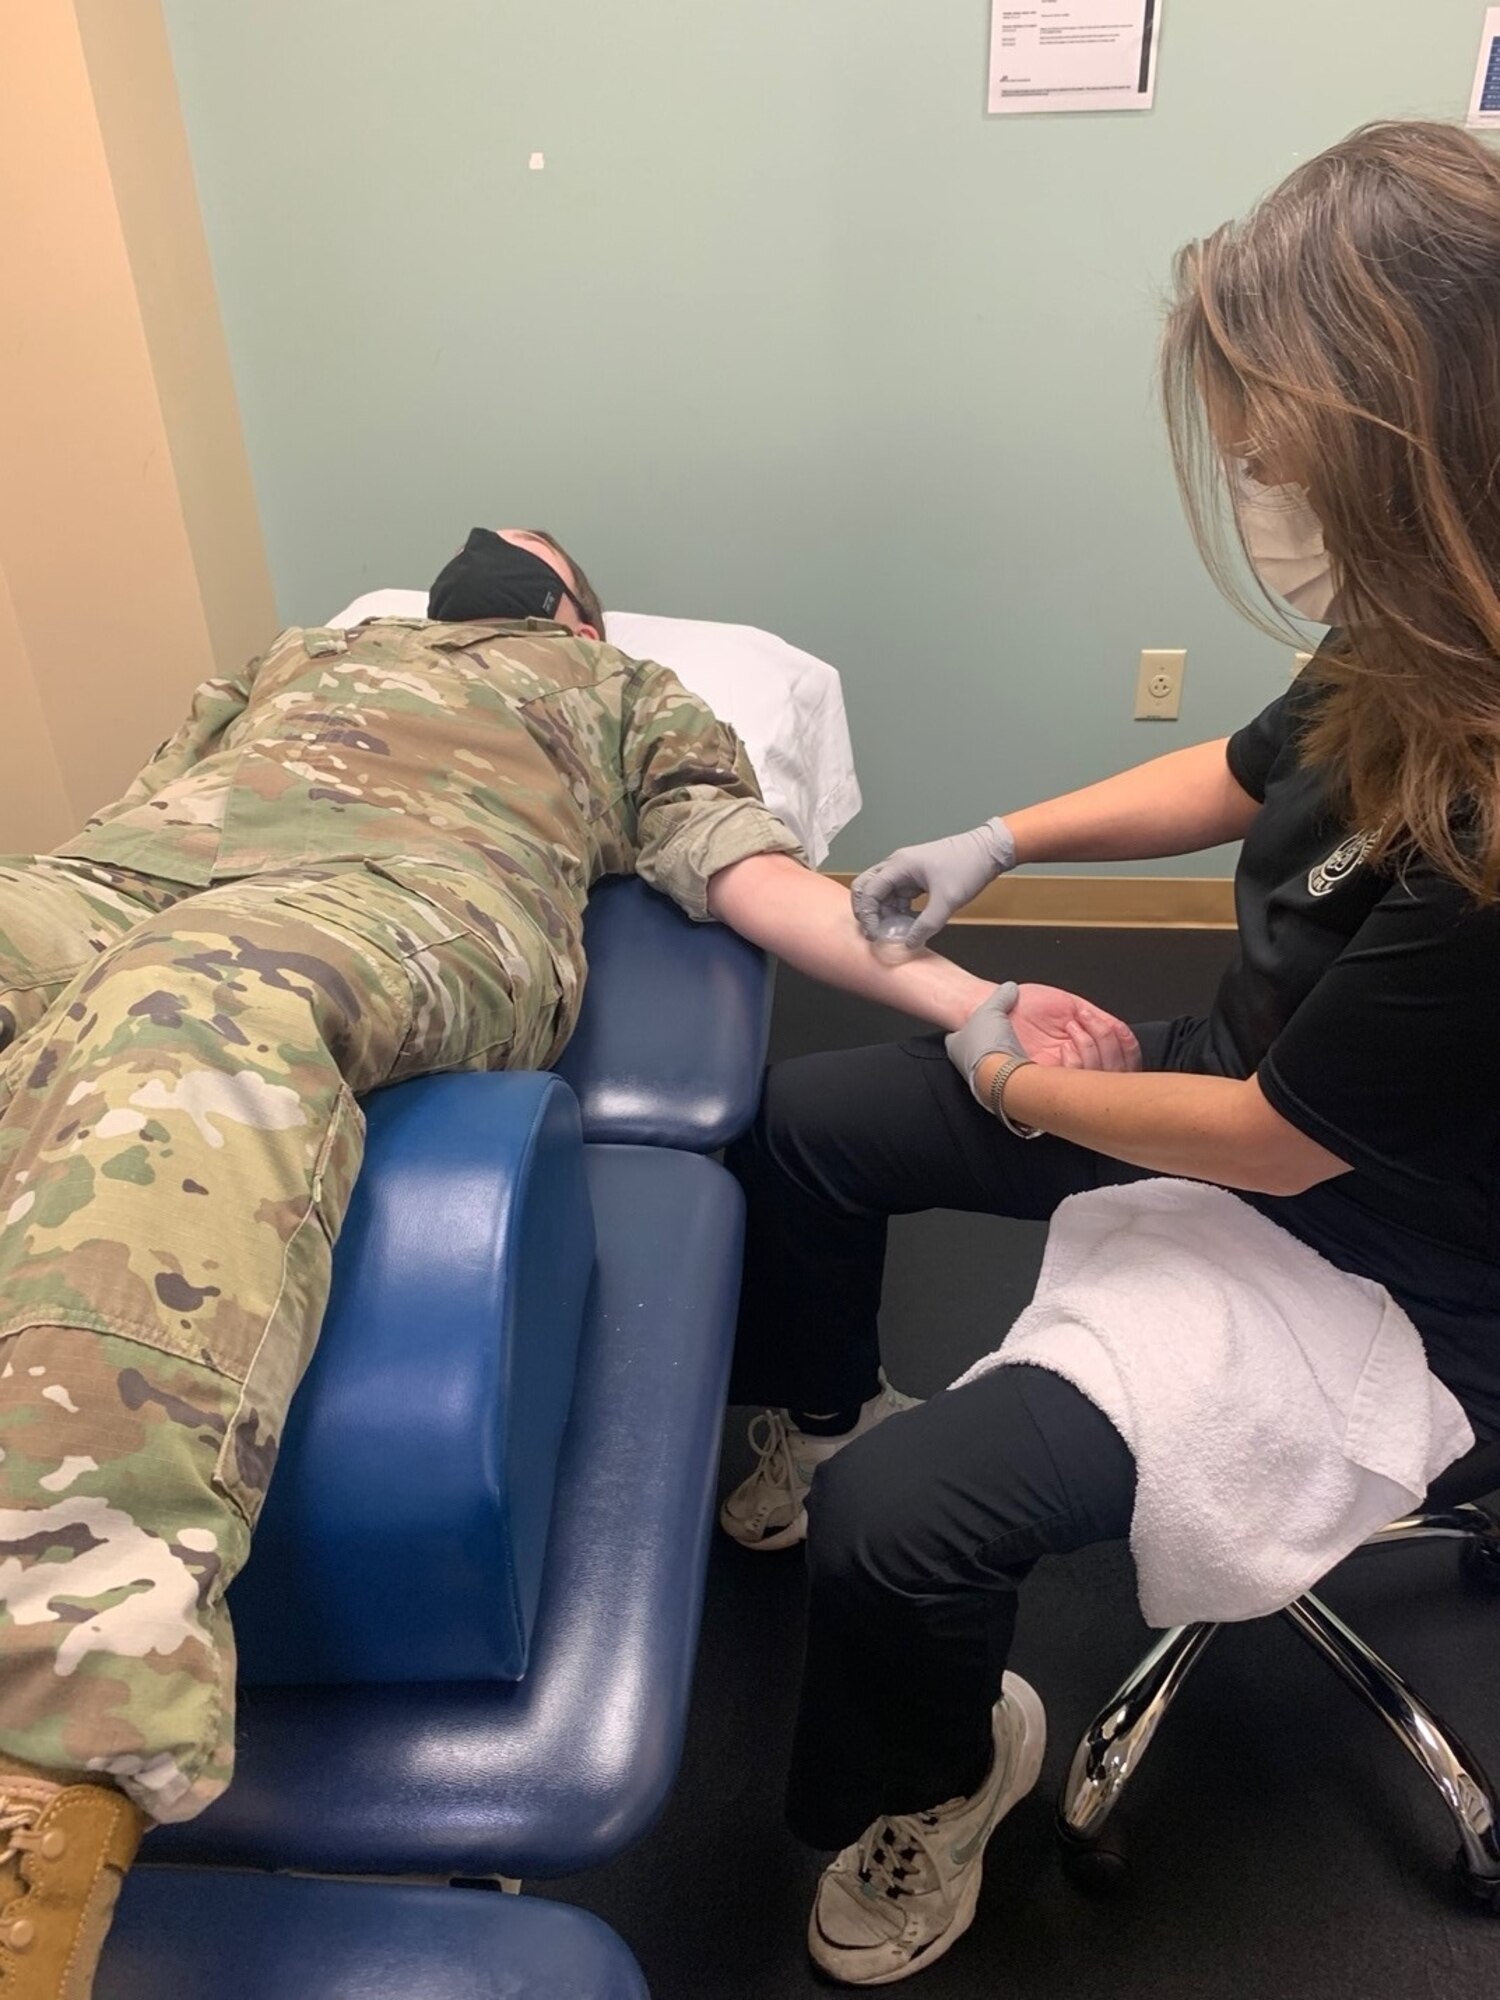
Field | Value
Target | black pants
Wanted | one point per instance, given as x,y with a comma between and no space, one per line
922,1531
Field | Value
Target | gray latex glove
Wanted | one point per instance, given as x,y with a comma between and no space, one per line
948,872
989,1031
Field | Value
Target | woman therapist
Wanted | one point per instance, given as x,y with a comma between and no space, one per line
1332,381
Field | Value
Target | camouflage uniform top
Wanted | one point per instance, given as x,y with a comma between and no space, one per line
493,768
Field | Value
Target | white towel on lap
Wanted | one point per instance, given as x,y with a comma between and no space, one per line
1279,1410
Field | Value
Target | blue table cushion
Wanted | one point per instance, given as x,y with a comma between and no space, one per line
562,1770
404,1534
671,1041
196,1934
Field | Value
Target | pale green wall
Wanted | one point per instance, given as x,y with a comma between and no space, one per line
788,330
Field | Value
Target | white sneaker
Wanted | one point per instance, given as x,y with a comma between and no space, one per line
767,1511
895,1901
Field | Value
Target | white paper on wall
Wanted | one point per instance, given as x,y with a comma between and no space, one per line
1073,55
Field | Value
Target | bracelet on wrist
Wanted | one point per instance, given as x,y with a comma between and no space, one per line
996,1097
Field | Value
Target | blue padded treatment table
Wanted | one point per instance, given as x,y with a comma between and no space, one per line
671,1039
558,1772
404,1534
195,1934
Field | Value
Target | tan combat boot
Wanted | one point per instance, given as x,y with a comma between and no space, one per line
64,1850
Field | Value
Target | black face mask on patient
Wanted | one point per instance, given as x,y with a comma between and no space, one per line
492,578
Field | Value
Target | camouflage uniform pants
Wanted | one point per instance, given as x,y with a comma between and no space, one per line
178,1140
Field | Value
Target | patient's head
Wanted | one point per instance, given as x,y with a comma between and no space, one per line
516,573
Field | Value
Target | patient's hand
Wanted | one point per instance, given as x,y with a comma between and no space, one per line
1068,1032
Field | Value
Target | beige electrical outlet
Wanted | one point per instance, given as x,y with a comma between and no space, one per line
1158,687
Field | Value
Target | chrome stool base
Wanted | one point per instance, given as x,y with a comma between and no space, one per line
1113,1746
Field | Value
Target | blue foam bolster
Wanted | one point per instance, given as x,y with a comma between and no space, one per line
558,1772
671,1040
404,1533
197,1934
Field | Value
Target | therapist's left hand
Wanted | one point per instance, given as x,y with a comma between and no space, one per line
989,1031
1052,1027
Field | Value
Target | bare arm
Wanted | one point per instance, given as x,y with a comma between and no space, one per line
1206,1128
806,919
1176,804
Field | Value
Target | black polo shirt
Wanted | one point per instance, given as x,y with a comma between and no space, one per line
1365,1002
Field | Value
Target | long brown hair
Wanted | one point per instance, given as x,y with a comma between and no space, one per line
1351,324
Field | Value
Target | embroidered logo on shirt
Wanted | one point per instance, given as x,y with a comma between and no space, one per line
1343,861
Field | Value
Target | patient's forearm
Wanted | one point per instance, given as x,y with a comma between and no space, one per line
806,919
1177,804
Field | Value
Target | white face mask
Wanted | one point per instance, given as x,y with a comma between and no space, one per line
1284,540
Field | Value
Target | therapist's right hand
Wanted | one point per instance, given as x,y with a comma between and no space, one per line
950,873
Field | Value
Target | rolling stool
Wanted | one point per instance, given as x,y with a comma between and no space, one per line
1112,1748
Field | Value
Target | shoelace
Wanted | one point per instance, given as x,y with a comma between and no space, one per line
899,1862
770,1436
16,1821
18,1835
